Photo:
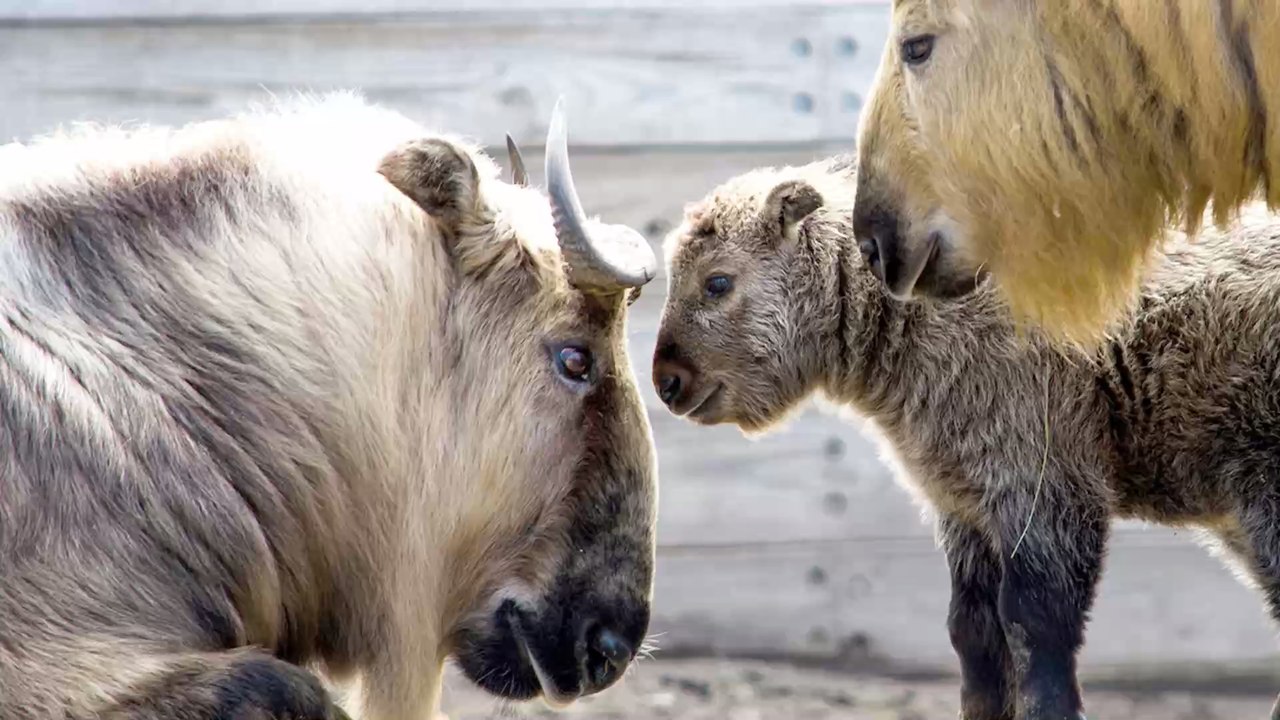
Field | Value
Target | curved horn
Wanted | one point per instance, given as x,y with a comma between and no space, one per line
519,175
600,256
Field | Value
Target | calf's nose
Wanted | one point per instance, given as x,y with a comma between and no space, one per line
671,380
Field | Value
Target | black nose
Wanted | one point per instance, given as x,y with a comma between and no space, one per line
671,380
668,387
604,658
877,234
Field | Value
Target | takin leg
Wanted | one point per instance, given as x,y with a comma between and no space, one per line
1255,547
974,622
1051,559
238,685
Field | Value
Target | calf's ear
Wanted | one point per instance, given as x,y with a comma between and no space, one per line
437,175
788,204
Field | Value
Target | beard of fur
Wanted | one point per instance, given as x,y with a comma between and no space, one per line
1066,264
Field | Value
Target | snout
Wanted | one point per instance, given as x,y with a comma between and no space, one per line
894,262
680,386
526,653
672,380
907,265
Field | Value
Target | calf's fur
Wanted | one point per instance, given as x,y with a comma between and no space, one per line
1023,451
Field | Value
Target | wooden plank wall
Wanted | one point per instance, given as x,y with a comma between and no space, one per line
631,77
798,544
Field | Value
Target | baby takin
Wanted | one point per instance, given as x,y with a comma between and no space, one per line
1023,451
1050,143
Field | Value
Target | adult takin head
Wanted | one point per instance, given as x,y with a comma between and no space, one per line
312,387
1049,143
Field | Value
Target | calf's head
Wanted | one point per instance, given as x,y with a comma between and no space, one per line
547,511
752,315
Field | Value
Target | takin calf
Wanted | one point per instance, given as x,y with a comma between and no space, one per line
1050,142
1023,451
311,388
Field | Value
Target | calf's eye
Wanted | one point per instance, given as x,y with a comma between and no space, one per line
573,362
916,50
717,285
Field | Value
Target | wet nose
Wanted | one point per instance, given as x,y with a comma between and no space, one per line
604,657
671,380
877,234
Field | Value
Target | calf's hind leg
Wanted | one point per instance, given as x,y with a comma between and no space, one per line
236,685
1255,546
974,622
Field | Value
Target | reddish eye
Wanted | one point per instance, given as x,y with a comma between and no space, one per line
574,363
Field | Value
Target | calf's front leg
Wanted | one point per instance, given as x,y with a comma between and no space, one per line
1051,561
973,621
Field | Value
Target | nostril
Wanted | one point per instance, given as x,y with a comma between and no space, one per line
613,647
607,656
870,250
668,387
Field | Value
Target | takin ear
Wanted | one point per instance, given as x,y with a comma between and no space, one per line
439,176
789,204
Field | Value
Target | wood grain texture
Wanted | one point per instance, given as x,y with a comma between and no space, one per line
881,606
690,75
56,10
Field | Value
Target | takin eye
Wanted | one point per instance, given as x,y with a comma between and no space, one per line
573,362
916,50
717,285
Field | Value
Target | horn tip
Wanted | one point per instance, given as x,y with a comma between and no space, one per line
557,126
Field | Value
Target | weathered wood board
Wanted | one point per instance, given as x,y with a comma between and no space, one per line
155,10
693,74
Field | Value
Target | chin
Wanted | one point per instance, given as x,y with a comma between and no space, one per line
518,655
758,422
945,282
513,658
709,419
495,660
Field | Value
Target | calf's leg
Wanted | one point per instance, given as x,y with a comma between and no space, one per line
1051,561
237,685
1256,547
974,622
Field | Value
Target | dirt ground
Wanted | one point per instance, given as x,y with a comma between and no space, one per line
747,690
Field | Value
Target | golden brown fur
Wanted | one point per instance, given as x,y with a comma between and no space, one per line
1022,452
1050,142
277,393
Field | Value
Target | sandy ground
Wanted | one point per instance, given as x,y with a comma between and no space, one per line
742,690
